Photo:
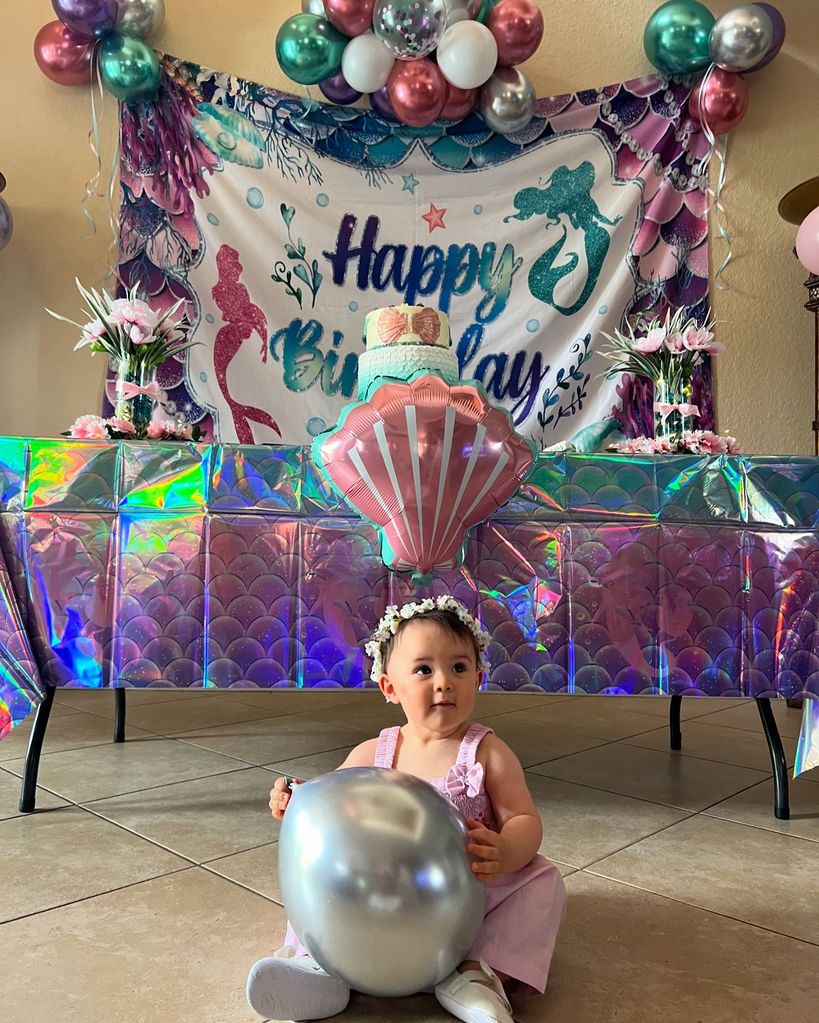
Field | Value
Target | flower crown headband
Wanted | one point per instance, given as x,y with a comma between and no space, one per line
394,616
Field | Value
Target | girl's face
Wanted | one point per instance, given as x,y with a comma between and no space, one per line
434,675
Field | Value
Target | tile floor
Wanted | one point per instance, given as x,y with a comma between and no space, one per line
145,885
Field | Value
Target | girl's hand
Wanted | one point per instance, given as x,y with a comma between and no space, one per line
280,795
491,849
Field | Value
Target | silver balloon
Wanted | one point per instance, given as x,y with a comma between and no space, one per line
140,18
741,37
409,28
507,101
313,7
376,880
461,10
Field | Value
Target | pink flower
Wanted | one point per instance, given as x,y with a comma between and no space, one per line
652,342
138,335
706,442
136,313
699,339
674,343
166,429
121,425
91,332
89,428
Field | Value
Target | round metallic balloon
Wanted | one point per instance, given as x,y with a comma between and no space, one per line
313,7
461,10
376,880
6,224
140,18
507,101
741,37
409,28
129,68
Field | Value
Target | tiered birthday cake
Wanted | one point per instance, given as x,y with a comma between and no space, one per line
405,341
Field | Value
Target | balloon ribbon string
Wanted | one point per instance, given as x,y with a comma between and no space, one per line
114,208
93,183
720,151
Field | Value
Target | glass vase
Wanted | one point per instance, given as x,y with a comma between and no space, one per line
133,405
674,413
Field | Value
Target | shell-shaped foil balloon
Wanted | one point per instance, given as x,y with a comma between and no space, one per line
229,134
424,462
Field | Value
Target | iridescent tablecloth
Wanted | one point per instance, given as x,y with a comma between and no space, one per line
145,564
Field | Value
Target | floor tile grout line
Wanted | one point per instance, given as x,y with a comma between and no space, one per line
759,827
643,838
96,895
239,852
169,784
693,756
130,831
239,884
702,909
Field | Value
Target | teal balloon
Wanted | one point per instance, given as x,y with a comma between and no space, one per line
129,68
676,37
309,49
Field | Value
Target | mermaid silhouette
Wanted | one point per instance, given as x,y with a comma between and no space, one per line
241,318
567,193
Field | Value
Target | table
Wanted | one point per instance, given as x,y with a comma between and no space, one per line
149,564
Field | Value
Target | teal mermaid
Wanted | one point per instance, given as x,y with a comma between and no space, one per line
567,193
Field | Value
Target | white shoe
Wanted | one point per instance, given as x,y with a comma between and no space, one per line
289,987
469,998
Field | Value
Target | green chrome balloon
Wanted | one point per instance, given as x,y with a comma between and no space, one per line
309,49
129,68
676,37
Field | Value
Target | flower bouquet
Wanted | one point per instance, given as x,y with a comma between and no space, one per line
137,339
665,352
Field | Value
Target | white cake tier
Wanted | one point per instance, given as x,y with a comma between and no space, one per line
402,362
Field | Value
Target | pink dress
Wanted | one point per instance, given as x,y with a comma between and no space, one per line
523,909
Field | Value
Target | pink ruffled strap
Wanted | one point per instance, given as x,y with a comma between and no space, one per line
469,744
387,744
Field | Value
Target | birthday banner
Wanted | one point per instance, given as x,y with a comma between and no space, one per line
282,221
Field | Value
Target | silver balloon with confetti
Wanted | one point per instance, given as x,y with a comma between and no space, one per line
139,18
410,29
507,101
741,37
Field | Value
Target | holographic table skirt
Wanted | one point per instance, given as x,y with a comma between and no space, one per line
167,565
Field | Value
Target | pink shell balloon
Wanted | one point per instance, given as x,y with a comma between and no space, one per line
424,462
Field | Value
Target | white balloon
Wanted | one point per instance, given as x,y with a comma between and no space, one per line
366,63
467,54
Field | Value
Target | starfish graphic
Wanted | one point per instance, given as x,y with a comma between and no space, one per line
434,217
410,183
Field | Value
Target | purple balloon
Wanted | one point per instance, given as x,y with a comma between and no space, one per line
337,89
779,29
380,102
93,18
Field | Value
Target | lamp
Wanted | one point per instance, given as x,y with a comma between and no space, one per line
794,207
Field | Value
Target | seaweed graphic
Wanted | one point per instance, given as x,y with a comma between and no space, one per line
566,397
306,271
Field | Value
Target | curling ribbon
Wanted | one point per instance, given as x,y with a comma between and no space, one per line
720,151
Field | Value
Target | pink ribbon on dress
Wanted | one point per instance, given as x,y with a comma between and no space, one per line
666,408
461,779
152,390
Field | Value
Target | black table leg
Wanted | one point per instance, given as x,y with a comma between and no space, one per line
119,715
674,722
28,794
782,809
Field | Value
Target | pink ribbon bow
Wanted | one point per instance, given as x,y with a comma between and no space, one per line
665,409
152,390
461,779
392,324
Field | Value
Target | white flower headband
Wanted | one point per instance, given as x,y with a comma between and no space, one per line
388,626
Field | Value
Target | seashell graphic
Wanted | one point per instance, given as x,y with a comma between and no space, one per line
424,461
229,134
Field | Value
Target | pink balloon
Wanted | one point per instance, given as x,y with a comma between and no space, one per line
352,17
63,55
722,103
423,527
417,91
807,242
517,26
459,103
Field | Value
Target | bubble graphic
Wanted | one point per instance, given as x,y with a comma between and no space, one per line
213,219
322,199
315,426
255,199
533,326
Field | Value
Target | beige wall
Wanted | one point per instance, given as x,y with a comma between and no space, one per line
764,381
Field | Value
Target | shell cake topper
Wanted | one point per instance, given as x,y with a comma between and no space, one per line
424,462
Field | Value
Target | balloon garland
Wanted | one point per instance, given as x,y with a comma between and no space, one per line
418,60
6,219
108,35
